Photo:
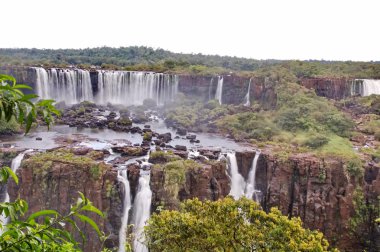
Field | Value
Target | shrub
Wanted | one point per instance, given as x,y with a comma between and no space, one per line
316,141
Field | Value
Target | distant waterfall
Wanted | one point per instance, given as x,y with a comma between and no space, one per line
141,210
365,87
16,163
219,90
237,180
68,85
132,88
247,99
127,204
210,88
250,189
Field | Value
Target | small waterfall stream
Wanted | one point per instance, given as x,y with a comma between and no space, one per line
247,99
237,180
210,88
219,90
16,163
127,204
250,189
141,211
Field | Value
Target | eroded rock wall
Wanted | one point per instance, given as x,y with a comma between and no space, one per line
319,191
53,182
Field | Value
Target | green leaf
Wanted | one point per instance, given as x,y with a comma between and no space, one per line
40,213
88,220
22,86
93,209
12,174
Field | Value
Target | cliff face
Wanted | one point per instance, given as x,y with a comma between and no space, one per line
211,182
234,87
52,181
333,88
320,192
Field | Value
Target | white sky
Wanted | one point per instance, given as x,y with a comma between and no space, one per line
260,29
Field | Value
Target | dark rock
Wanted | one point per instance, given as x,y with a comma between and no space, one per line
130,151
192,137
181,147
81,151
166,137
181,131
39,138
147,126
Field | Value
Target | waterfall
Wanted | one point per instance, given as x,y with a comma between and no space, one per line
132,88
219,90
68,85
247,99
370,87
16,163
237,180
141,210
365,87
250,189
127,203
210,88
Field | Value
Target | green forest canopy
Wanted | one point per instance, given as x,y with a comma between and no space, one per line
146,58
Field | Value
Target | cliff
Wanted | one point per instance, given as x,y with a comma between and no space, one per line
319,191
52,180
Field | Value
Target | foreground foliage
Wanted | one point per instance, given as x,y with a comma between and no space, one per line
15,104
229,225
45,230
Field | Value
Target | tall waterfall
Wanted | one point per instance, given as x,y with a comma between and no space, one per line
68,85
247,98
250,189
210,88
16,162
141,211
219,90
127,203
237,180
365,87
132,88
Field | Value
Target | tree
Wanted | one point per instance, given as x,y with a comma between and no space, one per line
15,104
44,230
229,225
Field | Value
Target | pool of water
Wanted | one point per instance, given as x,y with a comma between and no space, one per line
102,138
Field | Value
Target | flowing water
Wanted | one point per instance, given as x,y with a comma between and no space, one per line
68,85
219,90
247,99
127,204
132,88
365,87
250,189
141,210
237,180
16,162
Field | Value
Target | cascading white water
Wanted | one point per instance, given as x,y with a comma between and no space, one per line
370,87
219,90
16,162
141,211
250,189
237,180
132,88
68,85
247,98
127,204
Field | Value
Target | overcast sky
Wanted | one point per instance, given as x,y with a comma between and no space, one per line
260,29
